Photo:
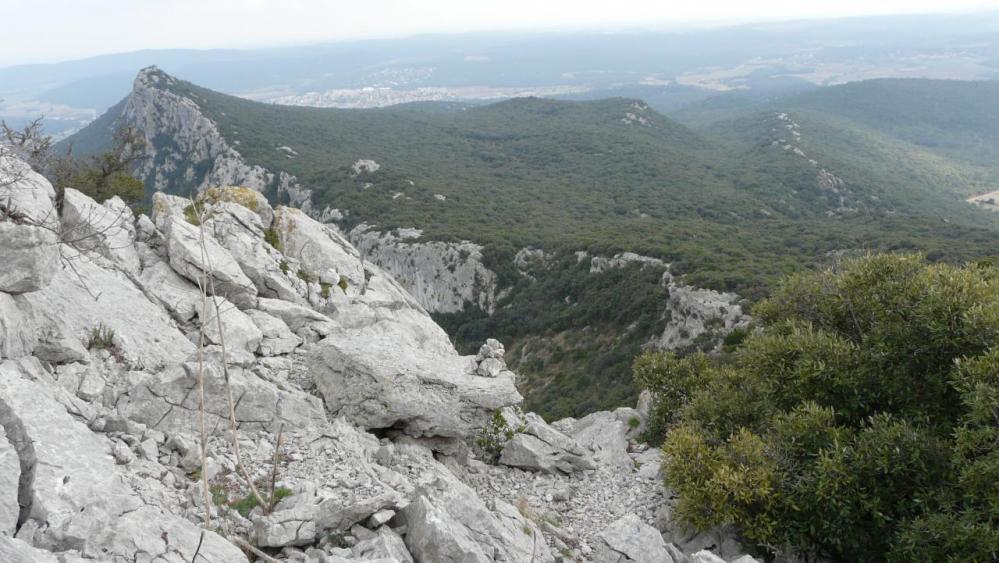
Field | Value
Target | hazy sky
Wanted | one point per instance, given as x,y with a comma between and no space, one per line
51,30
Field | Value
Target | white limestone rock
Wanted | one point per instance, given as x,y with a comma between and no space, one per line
692,312
188,259
277,337
10,475
379,382
56,347
25,195
176,294
443,277
108,229
705,556
19,326
167,401
320,249
386,545
240,230
628,540
542,448
606,437
75,499
13,550
30,257
241,336
448,522
71,473
91,294
303,321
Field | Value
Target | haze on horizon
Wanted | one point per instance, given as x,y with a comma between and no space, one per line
73,29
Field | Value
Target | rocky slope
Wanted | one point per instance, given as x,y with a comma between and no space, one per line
319,378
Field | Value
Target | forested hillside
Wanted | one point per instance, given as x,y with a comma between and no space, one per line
731,204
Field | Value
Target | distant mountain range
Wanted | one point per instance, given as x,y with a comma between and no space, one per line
667,69
738,193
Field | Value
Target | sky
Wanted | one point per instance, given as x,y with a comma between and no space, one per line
55,30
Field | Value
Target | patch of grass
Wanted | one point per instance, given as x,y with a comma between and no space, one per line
324,289
342,284
194,212
219,495
284,267
634,422
101,338
271,237
305,275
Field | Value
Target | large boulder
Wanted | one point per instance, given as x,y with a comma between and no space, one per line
174,293
107,229
377,382
629,540
322,251
238,332
195,261
248,199
30,257
539,447
241,231
307,323
449,523
605,435
278,339
18,326
385,545
25,195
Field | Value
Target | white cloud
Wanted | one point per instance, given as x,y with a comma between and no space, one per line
46,30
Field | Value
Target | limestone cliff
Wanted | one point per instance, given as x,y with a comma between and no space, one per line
185,150
443,277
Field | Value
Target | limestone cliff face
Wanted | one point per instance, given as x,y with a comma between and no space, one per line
692,313
185,148
443,277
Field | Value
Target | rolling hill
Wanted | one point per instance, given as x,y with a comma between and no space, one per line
729,204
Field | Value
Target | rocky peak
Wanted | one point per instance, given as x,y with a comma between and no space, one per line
185,149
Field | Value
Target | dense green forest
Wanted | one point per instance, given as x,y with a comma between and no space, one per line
732,200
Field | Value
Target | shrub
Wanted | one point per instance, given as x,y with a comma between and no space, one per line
860,424
342,284
272,238
495,435
194,212
101,338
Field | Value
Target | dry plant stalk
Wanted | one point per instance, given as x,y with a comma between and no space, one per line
208,279
274,467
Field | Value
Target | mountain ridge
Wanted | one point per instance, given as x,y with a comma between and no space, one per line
607,177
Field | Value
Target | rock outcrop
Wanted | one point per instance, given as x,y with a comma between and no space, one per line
443,277
198,155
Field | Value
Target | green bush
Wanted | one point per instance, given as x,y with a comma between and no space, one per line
101,338
860,424
272,238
